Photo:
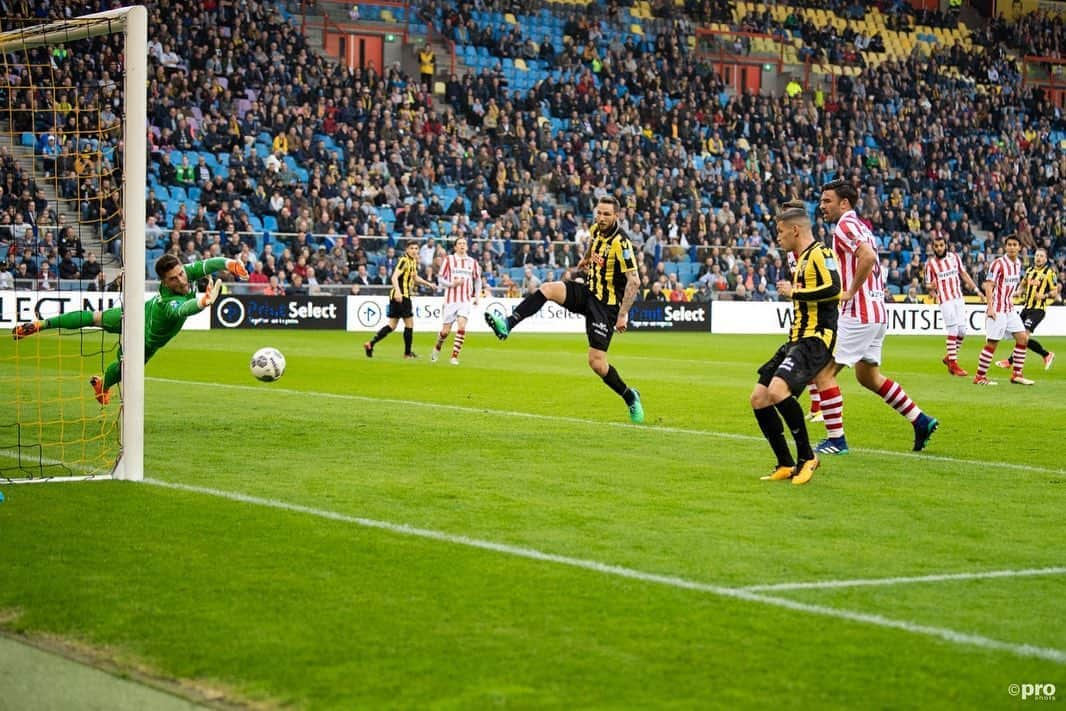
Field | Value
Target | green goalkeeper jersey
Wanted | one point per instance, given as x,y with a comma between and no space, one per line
165,314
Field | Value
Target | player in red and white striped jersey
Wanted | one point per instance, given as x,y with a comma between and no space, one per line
1002,280
461,276
863,322
944,275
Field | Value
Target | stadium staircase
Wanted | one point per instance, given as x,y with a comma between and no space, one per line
22,150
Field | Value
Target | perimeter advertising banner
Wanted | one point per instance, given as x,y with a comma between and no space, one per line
905,319
368,313
295,312
667,316
20,306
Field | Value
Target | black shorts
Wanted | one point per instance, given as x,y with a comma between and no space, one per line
600,318
400,309
1031,318
796,363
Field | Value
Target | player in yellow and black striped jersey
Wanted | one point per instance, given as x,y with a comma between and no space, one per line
815,291
1041,288
610,288
815,285
404,278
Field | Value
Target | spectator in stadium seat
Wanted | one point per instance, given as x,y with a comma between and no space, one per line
153,233
185,175
382,277
168,172
67,268
90,268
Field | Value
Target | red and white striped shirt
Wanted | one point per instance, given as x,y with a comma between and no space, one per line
945,273
868,304
456,268
1005,275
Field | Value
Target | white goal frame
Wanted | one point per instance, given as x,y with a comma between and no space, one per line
133,23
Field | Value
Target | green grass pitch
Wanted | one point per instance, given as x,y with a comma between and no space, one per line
390,534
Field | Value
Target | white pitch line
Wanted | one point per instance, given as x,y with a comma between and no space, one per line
959,638
597,423
938,578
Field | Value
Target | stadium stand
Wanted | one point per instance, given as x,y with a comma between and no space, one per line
253,133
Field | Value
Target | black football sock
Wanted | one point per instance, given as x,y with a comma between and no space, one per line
774,432
408,339
614,381
382,332
792,411
1034,345
526,308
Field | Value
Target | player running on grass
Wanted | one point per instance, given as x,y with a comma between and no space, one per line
164,314
461,277
863,322
814,290
1041,286
611,288
944,276
1001,281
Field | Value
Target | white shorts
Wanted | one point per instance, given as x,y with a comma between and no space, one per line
456,309
859,341
1003,325
954,313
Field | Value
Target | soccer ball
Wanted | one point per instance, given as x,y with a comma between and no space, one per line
268,364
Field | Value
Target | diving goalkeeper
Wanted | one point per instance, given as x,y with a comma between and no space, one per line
164,314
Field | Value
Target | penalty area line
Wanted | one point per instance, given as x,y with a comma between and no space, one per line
597,423
944,634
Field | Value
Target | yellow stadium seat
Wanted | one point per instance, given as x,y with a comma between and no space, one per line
520,63
510,19
636,29
387,16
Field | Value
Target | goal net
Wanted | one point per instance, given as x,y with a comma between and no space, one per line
72,204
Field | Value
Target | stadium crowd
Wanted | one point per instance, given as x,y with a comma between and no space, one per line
345,163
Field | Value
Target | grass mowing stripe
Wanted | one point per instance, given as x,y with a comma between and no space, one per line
939,578
948,635
598,423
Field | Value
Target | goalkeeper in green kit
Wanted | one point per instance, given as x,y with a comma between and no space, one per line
164,314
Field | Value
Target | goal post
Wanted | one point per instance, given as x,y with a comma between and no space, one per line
51,427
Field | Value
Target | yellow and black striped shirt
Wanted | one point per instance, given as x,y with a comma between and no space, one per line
407,269
1039,286
815,293
610,257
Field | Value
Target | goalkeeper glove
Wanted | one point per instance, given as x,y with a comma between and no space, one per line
236,268
211,292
